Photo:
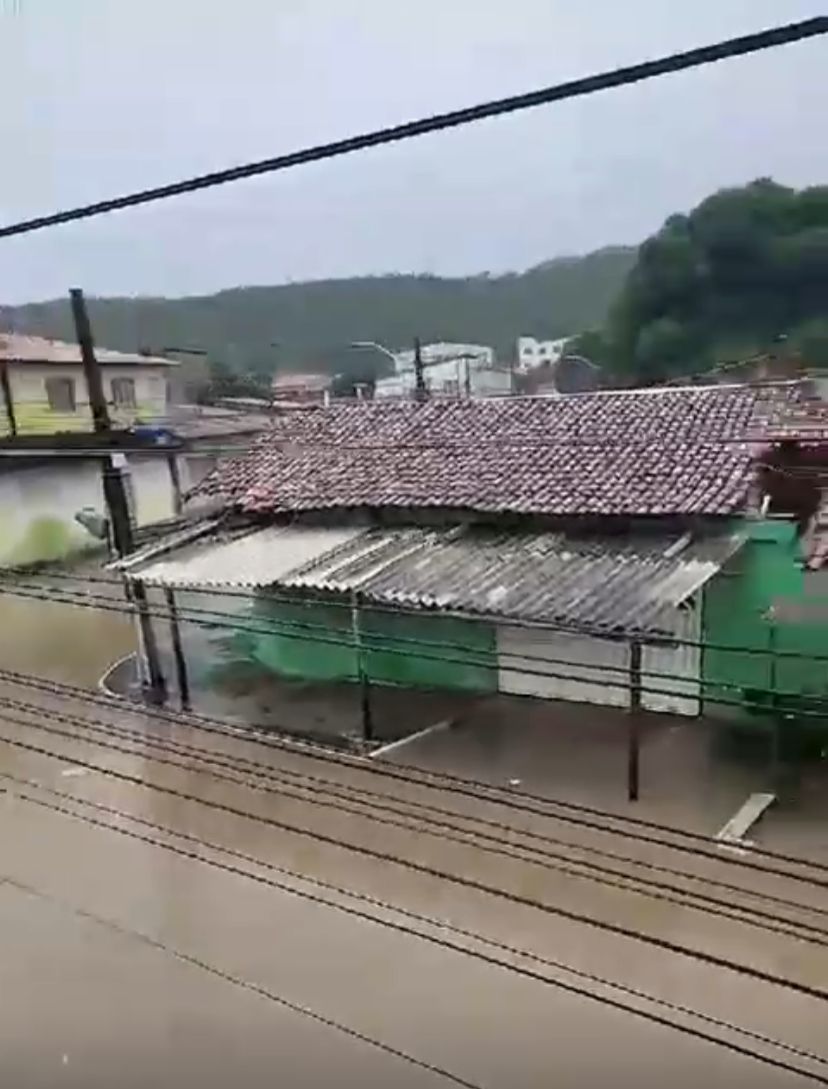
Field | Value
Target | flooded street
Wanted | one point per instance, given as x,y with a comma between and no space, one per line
61,641
184,905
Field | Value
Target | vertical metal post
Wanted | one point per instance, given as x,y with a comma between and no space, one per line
178,651
175,480
115,492
5,385
776,710
634,736
362,674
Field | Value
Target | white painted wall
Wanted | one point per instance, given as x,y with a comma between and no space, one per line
532,352
449,380
444,370
584,669
38,505
559,666
433,353
671,675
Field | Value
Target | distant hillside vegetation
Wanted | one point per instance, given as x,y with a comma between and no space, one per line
744,272
313,323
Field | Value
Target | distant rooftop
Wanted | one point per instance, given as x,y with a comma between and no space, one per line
306,382
19,348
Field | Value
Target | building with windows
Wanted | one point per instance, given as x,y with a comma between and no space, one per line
533,353
43,390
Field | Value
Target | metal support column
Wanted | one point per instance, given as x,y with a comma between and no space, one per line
178,651
634,722
362,674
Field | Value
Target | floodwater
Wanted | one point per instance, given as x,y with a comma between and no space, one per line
184,908
60,641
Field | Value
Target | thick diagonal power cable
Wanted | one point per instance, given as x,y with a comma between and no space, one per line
617,77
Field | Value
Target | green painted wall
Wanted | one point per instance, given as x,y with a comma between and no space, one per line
436,669
736,606
37,418
292,654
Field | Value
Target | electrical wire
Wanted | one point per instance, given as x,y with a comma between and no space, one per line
573,813
328,794
439,924
16,576
322,795
619,77
380,644
555,910
246,984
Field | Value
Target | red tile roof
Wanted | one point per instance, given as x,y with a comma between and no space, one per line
644,452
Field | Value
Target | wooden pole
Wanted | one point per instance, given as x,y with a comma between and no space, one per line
175,481
115,492
420,387
5,385
91,367
178,651
634,736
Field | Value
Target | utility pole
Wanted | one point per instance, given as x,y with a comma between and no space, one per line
420,387
634,735
114,491
5,385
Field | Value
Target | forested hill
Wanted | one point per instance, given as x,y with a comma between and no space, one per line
744,272
313,323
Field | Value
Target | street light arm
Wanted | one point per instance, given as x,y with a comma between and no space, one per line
377,347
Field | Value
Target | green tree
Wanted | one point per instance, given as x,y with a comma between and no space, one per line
746,267
810,342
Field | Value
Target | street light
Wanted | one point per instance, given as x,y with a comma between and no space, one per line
377,347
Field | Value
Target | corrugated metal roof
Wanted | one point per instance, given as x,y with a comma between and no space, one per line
589,583
251,560
609,584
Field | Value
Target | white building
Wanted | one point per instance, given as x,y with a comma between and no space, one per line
448,370
532,352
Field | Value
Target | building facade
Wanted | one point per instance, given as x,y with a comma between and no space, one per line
532,352
449,370
43,389
40,498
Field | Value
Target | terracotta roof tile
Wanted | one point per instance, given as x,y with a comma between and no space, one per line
646,452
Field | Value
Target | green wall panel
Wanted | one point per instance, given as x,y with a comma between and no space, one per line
737,605
315,641
469,662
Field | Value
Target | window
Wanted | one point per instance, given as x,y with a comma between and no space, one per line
61,394
123,392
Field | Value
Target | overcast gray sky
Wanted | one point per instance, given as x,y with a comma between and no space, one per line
99,97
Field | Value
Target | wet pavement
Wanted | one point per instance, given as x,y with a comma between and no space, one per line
151,931
181,904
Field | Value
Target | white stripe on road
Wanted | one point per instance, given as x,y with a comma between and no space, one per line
392,745
733,833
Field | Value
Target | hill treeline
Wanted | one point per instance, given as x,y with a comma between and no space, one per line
746,272
310,326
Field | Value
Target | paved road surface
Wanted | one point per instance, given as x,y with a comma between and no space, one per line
145,937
